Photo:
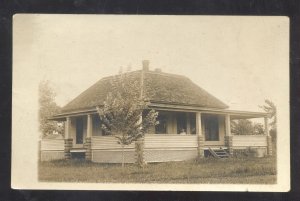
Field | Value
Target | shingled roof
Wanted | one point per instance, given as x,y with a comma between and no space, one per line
158,88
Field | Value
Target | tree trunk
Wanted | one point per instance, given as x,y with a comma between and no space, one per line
123,158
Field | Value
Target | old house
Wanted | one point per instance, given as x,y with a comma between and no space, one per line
192,123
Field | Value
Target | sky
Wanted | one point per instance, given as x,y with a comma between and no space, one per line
240,60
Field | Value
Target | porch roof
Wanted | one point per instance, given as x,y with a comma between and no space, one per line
234,114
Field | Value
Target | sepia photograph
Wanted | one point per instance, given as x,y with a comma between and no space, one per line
150,102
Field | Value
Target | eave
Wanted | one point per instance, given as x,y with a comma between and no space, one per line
234,114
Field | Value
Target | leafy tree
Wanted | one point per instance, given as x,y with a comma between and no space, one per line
270,108
258,129
242,127
125,113
47,108
246,127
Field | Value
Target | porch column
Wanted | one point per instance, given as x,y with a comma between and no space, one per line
68,139
228,135
89,132
188,124
269,138
199,134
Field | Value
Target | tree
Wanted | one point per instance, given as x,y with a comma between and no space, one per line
270,108
242,127
258,129
47,108
246,127
125,113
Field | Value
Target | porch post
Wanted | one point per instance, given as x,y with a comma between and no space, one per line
200,136
89,126
269,138
68,139
87,144
188,123
228,136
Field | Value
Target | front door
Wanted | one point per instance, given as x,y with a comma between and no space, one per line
211,128
79,131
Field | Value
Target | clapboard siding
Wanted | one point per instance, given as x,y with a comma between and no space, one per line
157,148
155,155
105,149
170,141
249,141
162,148
107,142
52,145
108,156
52,155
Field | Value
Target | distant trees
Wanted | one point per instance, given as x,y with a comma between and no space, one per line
246,127
125,113
47,108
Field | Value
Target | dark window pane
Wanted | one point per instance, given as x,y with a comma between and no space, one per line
161,128
79,131
181,122
193,123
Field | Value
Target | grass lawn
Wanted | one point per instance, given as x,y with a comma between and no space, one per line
234,170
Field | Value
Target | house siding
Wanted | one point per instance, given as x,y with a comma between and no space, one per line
162,148
157,148
105,149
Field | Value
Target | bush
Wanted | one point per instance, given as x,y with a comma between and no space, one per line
248,152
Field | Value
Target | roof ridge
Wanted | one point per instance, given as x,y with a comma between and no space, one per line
111,76
166,74
160,87
146,71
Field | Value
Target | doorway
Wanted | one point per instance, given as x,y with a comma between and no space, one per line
79,130
211,125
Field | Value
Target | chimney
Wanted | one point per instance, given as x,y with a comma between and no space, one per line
146,65
158,70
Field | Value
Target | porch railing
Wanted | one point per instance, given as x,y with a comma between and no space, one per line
241,141
52,145
51,149
167,141
157,148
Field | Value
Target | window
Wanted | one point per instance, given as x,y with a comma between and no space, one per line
161,128
181,122
211,128
193,123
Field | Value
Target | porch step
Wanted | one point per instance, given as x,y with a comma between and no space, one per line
218,153
77,150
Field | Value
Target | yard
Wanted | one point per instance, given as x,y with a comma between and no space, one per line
247,170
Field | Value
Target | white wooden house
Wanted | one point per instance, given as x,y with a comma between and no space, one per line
181,105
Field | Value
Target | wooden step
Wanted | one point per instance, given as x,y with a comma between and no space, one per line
218,153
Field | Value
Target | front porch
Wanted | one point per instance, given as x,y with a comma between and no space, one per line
181,135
